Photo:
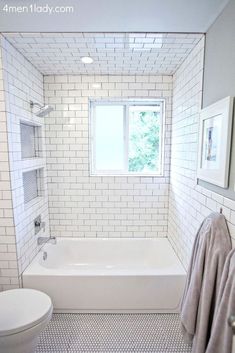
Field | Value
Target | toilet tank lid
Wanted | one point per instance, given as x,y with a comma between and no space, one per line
21,309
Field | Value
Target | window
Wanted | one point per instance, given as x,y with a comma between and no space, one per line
126,137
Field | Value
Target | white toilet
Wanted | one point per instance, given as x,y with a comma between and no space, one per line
24,313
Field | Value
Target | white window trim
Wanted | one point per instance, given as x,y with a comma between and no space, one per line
126,102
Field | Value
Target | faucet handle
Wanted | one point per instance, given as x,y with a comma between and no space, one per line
53,239
37,223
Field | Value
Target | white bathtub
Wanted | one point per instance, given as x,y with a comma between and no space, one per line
109,275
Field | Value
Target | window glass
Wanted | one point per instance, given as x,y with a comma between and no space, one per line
127,138
144,138
109,144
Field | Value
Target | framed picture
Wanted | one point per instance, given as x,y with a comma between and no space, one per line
214,142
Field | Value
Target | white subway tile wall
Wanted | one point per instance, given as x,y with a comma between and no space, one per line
8,257
81,205
22,83
189,203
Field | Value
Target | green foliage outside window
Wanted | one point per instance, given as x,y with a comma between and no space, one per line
144,130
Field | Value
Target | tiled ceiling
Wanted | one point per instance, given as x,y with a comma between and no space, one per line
113,53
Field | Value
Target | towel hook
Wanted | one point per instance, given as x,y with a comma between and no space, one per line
221,210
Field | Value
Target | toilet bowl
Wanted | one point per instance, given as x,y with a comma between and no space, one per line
24,313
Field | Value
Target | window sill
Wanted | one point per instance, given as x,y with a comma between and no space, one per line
128,175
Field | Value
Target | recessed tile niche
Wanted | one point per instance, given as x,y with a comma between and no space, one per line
32,184
30,140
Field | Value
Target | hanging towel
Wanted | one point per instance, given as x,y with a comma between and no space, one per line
211,246
221,334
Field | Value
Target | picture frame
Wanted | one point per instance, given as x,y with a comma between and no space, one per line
215,134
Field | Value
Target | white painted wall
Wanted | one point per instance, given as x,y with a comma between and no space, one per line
219,77
114,16
219,73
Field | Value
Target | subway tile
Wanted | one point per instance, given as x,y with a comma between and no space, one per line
16,225
111,55
81,205
189,203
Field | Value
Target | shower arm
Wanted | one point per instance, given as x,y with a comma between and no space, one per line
32,104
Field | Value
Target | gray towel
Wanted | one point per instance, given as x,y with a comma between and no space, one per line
211,246
221,334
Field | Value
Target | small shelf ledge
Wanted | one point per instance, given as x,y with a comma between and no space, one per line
31,140
33,185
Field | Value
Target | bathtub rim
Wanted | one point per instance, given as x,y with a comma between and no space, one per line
34,264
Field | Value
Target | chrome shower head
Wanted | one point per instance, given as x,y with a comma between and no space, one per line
43,110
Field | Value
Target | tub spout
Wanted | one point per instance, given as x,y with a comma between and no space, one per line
43,240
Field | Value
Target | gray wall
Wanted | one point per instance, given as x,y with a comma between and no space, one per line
219,76
112,16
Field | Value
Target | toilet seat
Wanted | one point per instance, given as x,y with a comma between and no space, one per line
21,309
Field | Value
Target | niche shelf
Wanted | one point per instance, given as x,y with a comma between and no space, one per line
33,185
30,140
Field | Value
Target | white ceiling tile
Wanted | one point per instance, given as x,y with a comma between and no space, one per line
94,35
45,35
73,35
113,53
65,40
144,40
